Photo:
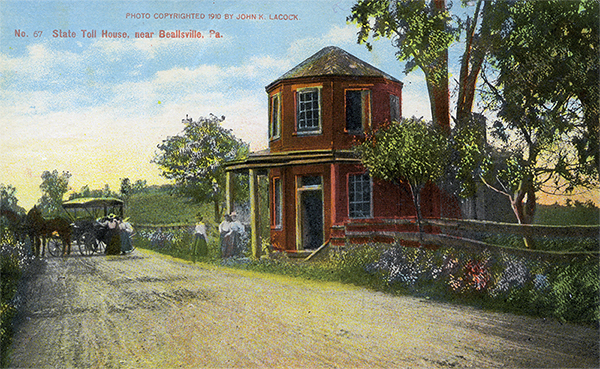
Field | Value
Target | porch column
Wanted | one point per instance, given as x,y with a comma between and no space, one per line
229,207
254,215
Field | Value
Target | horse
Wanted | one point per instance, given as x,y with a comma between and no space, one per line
61,226
35,224
40,230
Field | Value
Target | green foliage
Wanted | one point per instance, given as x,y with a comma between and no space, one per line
86,191
8,198
346,268
469,160
577,293
493,280
410,151
54,186
13,262
163,205
548,77
9,276
195,159
420,30
177,241
546,69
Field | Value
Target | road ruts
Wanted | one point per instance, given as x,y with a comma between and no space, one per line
149,311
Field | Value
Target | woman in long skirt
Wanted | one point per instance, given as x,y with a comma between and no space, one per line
113,247
199,248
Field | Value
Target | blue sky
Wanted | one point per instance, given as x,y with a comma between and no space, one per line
98,107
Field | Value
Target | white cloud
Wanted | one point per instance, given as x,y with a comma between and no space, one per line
341,35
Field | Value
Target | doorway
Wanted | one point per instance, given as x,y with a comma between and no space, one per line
309,230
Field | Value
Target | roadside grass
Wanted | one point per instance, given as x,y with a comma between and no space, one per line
567,291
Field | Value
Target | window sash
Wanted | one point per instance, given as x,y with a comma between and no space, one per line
358,110
277,203
275,116
394,108
308,110
359,196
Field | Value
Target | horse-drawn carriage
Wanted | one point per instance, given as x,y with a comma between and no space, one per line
91,235
88,228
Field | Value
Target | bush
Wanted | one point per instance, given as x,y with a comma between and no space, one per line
565,291
13,262
576,292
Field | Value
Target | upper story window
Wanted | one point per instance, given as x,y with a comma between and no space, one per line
358,110
308,110
275,116
359,196
394,108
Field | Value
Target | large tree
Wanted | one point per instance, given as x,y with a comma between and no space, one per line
195,158
545,73
54,186
422,31
410,152
8,198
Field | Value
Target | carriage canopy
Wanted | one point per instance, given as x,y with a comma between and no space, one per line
94,206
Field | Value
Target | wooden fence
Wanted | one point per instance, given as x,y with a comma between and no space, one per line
456,233
466,235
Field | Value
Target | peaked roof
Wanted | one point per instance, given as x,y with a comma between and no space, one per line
333,61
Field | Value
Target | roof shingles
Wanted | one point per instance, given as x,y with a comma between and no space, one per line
333,61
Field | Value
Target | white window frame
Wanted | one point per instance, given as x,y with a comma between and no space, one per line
352,213
275,121
303,130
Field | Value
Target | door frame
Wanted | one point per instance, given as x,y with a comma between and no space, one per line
300,190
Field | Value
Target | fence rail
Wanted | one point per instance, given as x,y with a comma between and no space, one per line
462,234
520,229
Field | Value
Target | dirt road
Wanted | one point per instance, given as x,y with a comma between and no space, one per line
148,311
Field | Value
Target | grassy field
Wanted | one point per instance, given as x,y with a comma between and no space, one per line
159,205
576,214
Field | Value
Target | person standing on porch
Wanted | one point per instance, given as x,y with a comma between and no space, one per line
199,247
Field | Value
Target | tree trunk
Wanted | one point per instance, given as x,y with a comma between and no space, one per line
437,81
525,209
416,196
476,50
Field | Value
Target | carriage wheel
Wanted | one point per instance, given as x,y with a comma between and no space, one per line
87,243
100,247
55,246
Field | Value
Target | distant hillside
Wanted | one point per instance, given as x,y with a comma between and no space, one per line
157,205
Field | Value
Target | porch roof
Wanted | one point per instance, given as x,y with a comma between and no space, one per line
263,160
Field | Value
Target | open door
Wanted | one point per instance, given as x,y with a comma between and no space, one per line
309,215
